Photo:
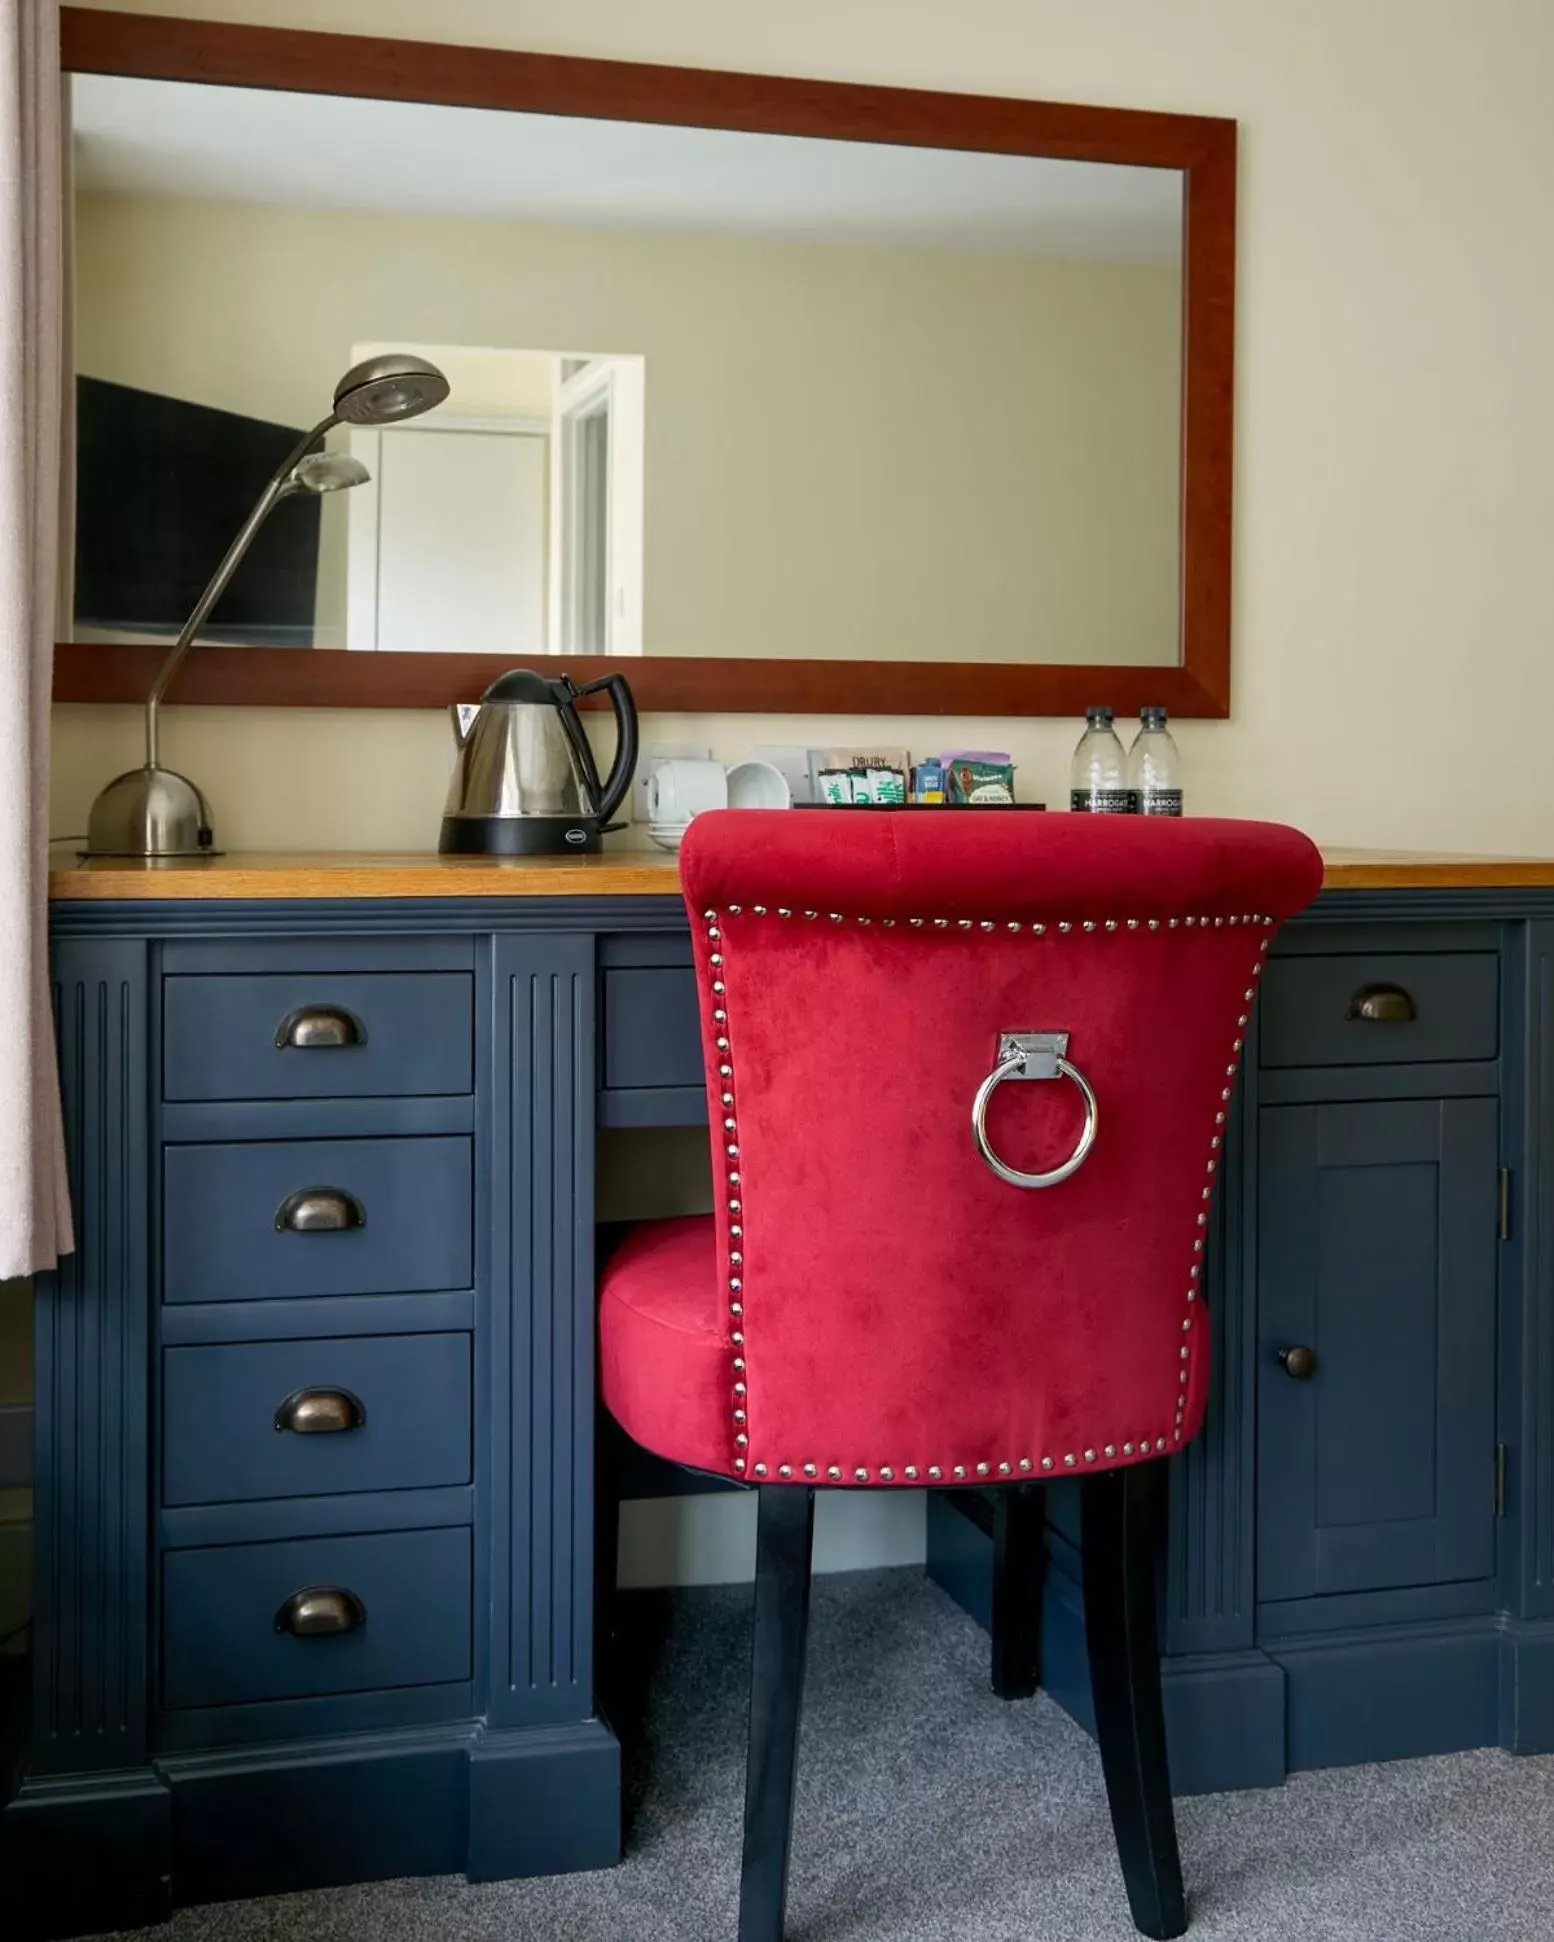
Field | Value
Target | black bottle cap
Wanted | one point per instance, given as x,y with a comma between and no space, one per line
1098,718
1153,717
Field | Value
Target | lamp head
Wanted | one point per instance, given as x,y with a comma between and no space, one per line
327,472
382,390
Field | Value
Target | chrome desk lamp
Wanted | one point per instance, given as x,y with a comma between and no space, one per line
155,812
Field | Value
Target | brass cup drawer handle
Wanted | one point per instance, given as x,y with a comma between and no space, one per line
320,1028
1382,1004
321,1412
321,1612
319,1210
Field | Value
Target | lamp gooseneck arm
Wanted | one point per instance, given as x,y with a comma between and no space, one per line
230,563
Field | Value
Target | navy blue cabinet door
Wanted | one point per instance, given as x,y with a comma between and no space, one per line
1377,1252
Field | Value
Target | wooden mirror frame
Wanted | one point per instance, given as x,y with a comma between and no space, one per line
154,48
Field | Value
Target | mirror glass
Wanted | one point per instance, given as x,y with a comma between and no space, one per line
712,394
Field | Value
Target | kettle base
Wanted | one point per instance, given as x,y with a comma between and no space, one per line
518,836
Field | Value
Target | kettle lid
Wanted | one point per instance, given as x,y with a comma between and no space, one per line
522,684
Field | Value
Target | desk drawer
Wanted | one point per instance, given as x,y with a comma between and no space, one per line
1428,1006
652,1029
409,1205
404,1597
317,1036
306,1419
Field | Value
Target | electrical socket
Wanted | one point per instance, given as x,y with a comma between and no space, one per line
648,761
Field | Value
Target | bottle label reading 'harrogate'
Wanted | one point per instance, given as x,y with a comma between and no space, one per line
1101,802
1159,802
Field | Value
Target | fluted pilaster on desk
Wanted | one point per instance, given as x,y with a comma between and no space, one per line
542,1301
92,1378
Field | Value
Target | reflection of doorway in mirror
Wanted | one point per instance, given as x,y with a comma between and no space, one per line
449,550
506,522
597,507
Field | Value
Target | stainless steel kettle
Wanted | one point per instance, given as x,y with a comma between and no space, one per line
526,783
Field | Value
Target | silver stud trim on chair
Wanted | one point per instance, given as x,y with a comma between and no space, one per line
909,1473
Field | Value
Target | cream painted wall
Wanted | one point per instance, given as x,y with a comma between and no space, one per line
1394,614
314,778
851,452
486,383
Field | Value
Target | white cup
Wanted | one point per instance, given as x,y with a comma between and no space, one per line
757,785
681,789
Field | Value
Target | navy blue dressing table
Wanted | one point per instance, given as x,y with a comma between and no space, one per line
315,1398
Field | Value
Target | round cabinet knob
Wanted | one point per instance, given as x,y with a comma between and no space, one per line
1299,1363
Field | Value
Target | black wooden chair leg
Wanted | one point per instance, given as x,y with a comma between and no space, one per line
1122,1513
785,1525
1019,1568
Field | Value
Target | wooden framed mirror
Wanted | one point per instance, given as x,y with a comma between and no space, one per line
780,396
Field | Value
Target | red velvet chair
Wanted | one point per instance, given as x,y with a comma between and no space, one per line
890,1296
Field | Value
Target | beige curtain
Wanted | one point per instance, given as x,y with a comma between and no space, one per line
34,1206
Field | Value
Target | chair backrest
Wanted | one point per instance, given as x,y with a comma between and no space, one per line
897,1312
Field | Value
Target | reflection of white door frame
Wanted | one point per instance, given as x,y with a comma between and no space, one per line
365,521
617,386
585,404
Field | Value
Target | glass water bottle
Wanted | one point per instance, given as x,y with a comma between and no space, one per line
1099,779
1155,767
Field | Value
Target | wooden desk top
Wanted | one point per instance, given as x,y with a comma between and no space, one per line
622,873
365,873
1432,870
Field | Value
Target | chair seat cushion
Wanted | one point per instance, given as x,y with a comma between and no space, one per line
665,1359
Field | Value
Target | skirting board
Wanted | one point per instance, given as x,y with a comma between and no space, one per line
709,1539
117,1851
1248,1719
1526,1670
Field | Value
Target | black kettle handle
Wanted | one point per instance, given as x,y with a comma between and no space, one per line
566,692
624,767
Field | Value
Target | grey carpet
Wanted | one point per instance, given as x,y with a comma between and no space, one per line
930,1812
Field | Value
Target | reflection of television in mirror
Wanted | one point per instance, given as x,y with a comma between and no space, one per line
162,487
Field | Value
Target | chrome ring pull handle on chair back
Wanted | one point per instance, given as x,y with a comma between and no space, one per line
1033,1055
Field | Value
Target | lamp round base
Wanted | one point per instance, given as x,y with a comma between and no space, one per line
150,812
